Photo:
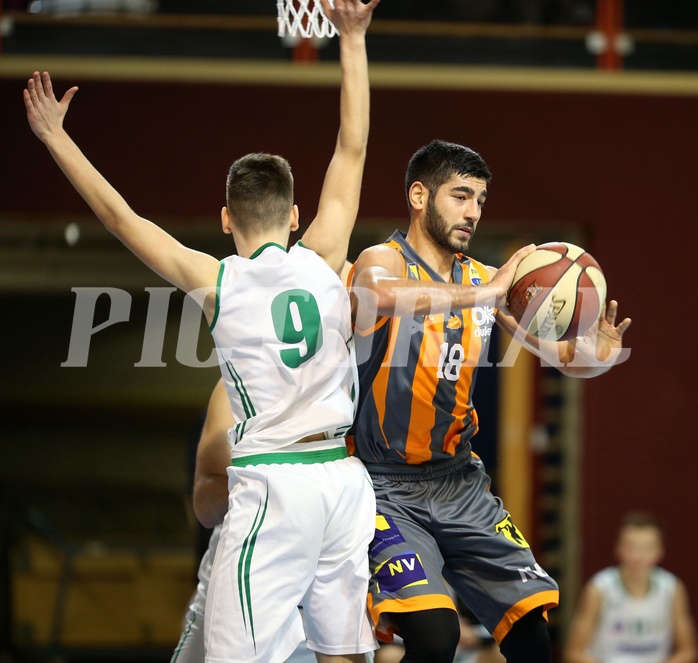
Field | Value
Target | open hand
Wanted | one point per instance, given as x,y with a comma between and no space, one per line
44,112
349,15
605,335
607,323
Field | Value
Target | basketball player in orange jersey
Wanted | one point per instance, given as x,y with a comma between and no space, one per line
423,317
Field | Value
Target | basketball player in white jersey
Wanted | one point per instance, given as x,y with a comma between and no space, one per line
301,512
211,502
635,612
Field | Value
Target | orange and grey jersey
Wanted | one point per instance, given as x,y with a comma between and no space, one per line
282,330
417,373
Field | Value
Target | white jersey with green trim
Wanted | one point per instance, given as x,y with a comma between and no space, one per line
282,329
634,629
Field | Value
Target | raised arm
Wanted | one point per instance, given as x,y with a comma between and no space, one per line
212,459
328,234
189,270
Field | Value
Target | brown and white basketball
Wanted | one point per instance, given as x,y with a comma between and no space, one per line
558,292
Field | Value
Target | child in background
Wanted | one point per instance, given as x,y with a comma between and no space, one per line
635,612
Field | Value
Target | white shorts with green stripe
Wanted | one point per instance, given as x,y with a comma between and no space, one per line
296,534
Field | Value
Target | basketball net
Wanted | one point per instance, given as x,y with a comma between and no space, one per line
303,18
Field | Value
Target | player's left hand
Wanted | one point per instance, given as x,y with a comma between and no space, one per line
605,336
44,112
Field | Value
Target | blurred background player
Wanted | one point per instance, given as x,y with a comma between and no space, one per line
635,612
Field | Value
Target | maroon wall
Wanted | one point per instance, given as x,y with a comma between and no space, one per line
621,167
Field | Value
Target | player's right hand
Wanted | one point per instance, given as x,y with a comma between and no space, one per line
504,276
44,112
349,15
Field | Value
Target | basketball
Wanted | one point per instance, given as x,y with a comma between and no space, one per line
558,292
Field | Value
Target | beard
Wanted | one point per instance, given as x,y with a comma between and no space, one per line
437,228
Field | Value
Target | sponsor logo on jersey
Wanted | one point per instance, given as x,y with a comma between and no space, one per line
454,322
400,571
639,649
483,317
527,573
474,276
386,534
511,532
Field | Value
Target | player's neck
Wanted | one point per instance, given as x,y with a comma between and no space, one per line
440,260
637,583
248,246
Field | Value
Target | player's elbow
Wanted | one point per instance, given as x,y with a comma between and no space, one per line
210,500
205,519
209,515
351,145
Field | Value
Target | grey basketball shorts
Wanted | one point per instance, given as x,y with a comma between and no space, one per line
439,525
